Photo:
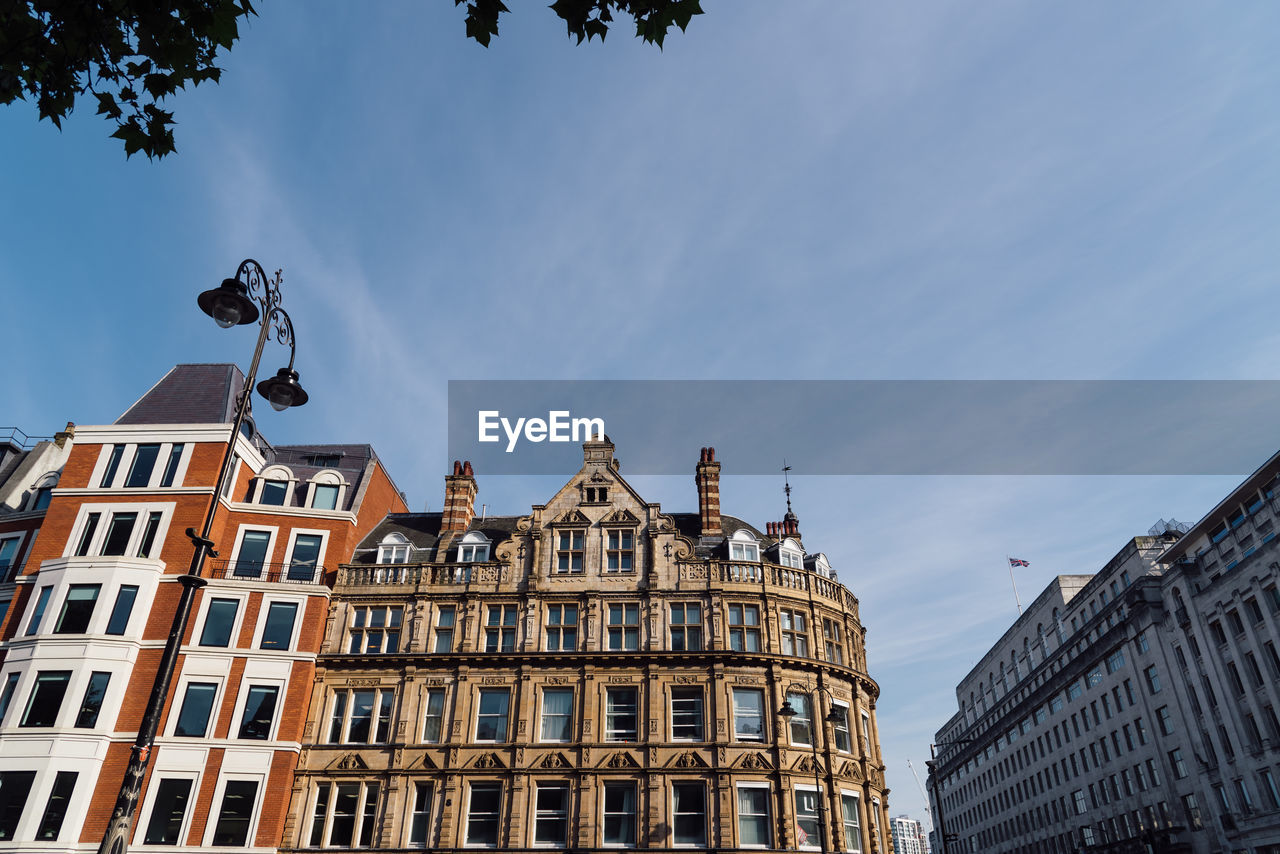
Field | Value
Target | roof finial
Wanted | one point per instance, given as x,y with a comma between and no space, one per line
786,482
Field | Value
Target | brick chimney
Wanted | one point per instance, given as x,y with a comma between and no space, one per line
707,477
459,498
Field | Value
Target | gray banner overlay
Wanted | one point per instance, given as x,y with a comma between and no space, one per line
895,427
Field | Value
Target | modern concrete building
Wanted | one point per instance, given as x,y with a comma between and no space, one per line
93,600
1057,745
595,673
908,836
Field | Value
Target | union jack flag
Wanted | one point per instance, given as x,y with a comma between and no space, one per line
1013,561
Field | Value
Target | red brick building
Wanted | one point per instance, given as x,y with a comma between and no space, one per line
92,586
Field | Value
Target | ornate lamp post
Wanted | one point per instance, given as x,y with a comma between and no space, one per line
250,296
787,712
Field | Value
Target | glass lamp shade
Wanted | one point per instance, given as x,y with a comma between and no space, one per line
283,390
228,304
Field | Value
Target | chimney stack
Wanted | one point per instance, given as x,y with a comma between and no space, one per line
707,478
459,498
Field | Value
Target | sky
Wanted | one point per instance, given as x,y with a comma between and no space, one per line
788,191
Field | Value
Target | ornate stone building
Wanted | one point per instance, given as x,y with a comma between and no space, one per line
596,673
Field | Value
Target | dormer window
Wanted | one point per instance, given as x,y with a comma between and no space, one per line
790,554
273,492
743,546
473,548
326,490
274,486
394,548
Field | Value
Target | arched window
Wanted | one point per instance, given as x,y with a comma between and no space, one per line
326,491
43,492
274,486
743,546
473,547
790,554
394,548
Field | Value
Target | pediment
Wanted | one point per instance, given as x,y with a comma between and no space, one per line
622,760
573,516
622,516
808,765
554,760
422,762
689,759
488,760
349,762
755,762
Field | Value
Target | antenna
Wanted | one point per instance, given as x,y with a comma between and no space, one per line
786,487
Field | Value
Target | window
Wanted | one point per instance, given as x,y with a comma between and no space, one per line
620,714
324,496
689,813
197,705
259,711
146,547
420,818
375,630
219,620
43,495
1165,720
557,714
1153,679
38,613
744,628
1269,786
236,813
753,817
345,815
171,467
473,548
91,704
624,626
742,546
484,812
491,721
866,733
551,815
394,548
119,531
77,609
64,783
808,829
433,720
113,465
144,460
852,831
686,627
6,697
795,639
17,785
1116,660
8,553
277,632
569,553
802,721
305,559
500,628
619,551
832,639
444,628
1177,764
619,814
686,714
790,558
841,727
86,537
273,492
168,811
252,556
46,698
748,714
562,627
353,720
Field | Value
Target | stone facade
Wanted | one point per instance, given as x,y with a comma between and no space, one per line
597,673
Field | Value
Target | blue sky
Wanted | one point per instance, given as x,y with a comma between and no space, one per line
801,190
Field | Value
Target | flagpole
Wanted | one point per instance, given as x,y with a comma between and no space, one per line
1009,562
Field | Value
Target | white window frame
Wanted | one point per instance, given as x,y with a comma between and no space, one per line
202,613
819,844
747,546
199,671
567,786
273,530
473,548
706,810
344,733
215,806
508,733
702,711
764,713
390,545
466,826
153,789
358,826
274,472
790,554
542,712
293,544
635,813
848,727
851,845
327,477
769,828
105,513
17,537
265,610
247,681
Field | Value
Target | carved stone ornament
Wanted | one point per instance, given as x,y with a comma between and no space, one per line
622,516
755,762
573,516
808,765
349,762
554,760
689,759
488,760
854,773
423,761
622,760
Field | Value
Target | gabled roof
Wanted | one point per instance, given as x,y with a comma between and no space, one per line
189,394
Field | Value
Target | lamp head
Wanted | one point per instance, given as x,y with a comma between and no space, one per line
228,304
787,711
283,390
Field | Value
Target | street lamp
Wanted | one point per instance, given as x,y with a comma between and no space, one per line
235,302
787,712
937,787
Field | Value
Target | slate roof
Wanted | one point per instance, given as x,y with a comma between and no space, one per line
422,530
189,394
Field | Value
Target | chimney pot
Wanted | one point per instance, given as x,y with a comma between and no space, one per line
459,498
707,478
